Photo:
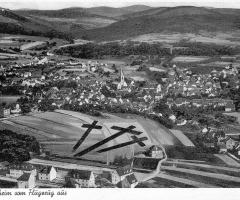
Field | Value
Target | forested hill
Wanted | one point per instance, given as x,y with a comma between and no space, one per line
16,147
184,19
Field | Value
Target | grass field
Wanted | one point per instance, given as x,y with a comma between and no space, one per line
219,64
190,58
205,37
6,40
8,99
31,45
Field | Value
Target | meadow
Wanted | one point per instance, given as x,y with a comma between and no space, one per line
8,99
204,37
190,58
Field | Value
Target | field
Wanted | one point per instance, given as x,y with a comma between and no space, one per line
11,40
31,45
85,22
182,138
190,58
8,99
59,131
205,37
219,64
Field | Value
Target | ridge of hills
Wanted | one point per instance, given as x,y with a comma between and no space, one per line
118,23
13,23
184,19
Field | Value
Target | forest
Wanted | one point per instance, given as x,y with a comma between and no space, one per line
117,50
15,147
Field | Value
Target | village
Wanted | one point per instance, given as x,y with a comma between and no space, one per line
28,175
46,83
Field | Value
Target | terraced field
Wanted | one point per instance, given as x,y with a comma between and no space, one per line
175,173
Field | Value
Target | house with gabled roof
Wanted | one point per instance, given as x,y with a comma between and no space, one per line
71,183
156,152
84,178
179,102
26,180
48,173
129,181
230,143
17,170
229,106
120,174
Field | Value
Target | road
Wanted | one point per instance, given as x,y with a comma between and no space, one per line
67,165
4,178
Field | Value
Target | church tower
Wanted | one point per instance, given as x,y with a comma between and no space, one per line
122,81
122,76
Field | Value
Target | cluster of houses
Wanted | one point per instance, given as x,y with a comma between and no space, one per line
131,95
227,104
31,174
226,141
27,175
187,84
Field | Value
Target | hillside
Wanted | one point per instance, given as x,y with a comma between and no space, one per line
227,11
62,13
70,16
151,11
107,11
136,8
116,12
185,19
107,23
14,23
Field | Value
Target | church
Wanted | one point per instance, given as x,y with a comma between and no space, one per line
122,81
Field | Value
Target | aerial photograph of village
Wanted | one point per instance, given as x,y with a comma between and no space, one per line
132,96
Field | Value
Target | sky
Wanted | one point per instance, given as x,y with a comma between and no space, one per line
59,4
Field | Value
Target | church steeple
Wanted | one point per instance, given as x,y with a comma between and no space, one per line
122,76
122,81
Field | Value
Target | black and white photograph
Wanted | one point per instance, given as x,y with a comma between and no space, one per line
119,94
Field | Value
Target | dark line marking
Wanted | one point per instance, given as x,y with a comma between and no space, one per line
85,135
122,145
130,131
89,125
139,143
104,141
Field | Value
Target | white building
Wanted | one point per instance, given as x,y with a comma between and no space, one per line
120,174
156,152
17,170
48,173
27,180
83,177
122,82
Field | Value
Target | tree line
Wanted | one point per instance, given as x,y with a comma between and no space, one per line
115,49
